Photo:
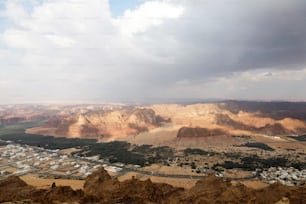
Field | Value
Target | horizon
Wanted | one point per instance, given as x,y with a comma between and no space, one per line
159,50
152,102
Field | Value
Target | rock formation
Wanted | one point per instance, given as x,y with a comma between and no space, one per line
194,120
14,189
199,132
108,125
101,188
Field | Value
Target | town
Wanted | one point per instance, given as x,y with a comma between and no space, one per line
23,159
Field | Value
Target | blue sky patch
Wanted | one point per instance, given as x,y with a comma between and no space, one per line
2,5
2,19
119,6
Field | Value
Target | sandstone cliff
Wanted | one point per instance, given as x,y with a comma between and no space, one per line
106,125
215,118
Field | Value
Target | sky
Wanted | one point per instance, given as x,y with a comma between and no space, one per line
140,50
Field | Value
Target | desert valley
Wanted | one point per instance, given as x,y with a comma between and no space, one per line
152,102
254,144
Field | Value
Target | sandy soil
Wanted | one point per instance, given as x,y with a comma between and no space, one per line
237,173
281,142
46,183
41,131
78,184
157,136
184,183
255,184
156,168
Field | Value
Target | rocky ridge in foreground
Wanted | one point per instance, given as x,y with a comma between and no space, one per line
99,187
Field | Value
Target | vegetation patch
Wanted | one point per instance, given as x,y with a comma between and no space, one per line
17,128
48,142
246,137
112,151
253,162
2,143
191,151
301,138
258,145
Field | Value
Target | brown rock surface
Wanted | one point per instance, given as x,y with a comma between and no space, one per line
105,125
199,132
216,190
263,119
62,194
95,183
13,188
277,191
101,188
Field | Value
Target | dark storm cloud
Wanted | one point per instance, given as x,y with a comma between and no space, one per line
221,37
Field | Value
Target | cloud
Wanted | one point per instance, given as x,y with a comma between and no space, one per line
148,14
75,49
249,85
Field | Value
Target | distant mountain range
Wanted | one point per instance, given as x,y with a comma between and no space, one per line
107,122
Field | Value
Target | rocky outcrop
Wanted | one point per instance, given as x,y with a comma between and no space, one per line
273,130
225,120
277,191
275,110
101,188
199,132
15,189
12,120
106,125
212,119
216,190
61,194
95,184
